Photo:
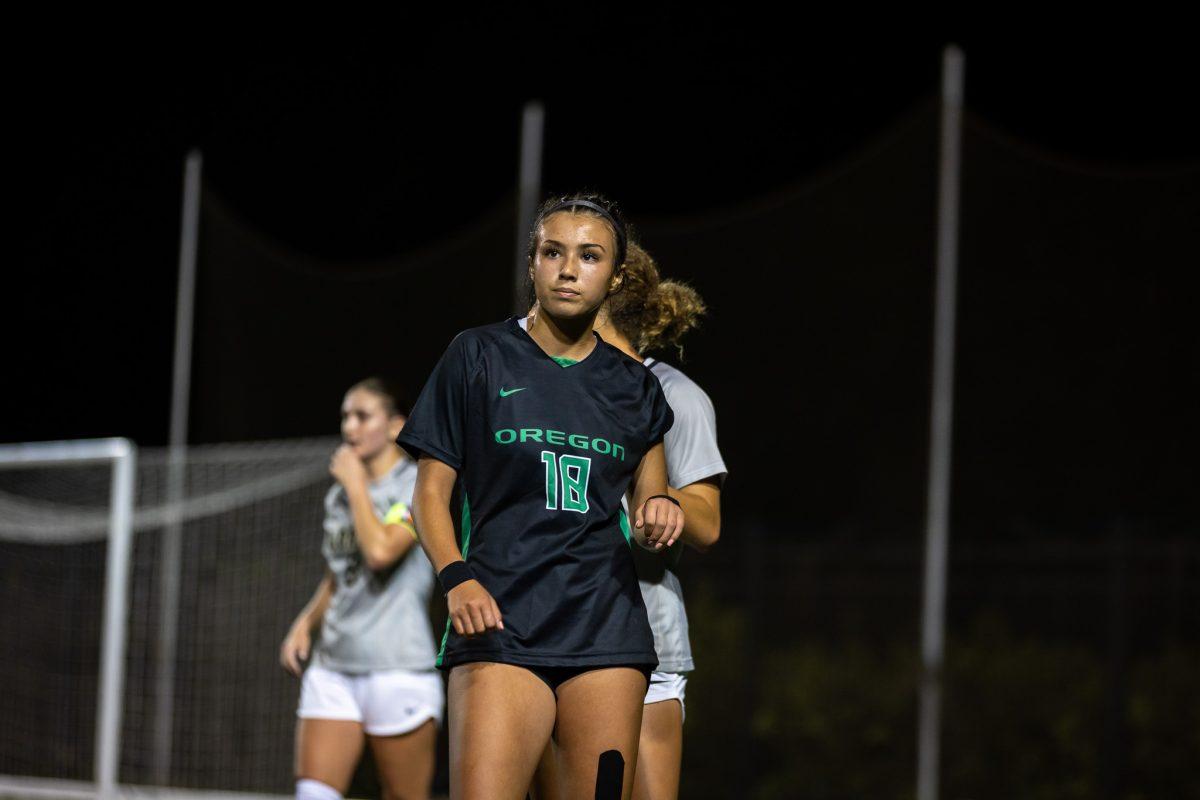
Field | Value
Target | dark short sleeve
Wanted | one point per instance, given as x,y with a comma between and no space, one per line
661,417
438,419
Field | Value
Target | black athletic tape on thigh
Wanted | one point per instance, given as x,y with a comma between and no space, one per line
610,774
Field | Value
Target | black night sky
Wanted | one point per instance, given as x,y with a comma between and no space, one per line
358,208
377,157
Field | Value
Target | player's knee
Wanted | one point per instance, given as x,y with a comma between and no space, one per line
308,789
610,775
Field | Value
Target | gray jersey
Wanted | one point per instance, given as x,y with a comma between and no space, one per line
376,620
692,455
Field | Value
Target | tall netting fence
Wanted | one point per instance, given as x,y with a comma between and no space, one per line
1073,630
1073,613
250,530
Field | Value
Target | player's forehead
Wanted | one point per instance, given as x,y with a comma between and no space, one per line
361,401
576,228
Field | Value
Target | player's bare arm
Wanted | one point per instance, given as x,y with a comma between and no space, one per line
298,643
472,610
657,521
381,545
701,503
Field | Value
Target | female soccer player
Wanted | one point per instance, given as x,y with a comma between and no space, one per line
372,672
649,315
542,432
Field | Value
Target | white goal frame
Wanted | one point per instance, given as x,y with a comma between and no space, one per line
122,454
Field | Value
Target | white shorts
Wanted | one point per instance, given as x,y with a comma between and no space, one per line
386,702
667,686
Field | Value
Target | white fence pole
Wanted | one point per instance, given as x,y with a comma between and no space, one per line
937,530
529,186
172,541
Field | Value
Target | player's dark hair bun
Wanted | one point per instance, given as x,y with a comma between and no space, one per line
394,399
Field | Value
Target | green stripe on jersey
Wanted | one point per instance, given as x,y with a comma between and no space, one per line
466,537
564,362
625,528
442,649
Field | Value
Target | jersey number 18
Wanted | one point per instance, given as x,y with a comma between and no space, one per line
574,471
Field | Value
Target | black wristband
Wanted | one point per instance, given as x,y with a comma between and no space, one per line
453,574
664,497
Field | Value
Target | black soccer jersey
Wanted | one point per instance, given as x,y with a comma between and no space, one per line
544,454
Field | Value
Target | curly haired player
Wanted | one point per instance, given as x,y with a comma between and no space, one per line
649,315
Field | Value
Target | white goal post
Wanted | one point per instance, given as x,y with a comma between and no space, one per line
83,526
122,454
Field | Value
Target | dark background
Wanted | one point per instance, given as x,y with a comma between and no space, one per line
402,168
359,210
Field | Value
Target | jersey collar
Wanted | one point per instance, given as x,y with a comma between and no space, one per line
518,330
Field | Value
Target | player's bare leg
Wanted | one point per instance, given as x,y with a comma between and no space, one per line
500,719
406,762
660,749
545,781
327,750
599,717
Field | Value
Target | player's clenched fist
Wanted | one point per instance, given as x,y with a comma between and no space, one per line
294,650
347,467
472,609
658,523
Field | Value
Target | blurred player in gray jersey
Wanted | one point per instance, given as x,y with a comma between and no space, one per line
371,678
651,314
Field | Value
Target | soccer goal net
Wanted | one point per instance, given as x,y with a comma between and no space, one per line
142,602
